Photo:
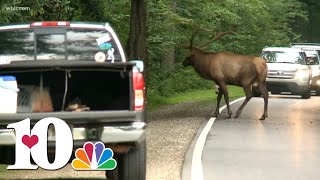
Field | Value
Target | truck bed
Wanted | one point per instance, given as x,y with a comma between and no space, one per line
96,86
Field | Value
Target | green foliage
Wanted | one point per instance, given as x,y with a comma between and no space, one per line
6,15
203,96
258,23
38,10
117,13
166,83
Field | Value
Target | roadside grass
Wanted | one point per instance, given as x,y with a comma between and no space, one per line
206,96
4,173
3,168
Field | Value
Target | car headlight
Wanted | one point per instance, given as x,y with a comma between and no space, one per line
302,74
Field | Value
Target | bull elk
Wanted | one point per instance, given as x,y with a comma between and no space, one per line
226,68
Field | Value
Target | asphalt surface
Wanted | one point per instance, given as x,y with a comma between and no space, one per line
286,146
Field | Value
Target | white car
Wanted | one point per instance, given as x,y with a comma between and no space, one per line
288,71
313,57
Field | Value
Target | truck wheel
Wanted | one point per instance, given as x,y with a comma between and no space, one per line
131,165
318,91
112,175
7,155
306,95
255,91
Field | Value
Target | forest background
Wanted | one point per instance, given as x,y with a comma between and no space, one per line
156,30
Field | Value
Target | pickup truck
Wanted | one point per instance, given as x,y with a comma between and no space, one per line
77,72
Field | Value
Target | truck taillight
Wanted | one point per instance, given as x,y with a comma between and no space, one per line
138,87
50,23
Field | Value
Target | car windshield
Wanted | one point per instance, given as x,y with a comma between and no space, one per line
72,44
283,57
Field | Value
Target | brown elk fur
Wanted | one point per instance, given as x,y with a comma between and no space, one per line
226,68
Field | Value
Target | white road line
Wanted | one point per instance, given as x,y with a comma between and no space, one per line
196,164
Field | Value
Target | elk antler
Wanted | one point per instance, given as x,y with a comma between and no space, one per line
194,34
219,35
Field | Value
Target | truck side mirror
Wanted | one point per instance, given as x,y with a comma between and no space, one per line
139,64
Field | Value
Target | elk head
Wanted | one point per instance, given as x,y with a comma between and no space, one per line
188,61
194,51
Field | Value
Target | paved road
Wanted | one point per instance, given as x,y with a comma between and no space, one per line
286,146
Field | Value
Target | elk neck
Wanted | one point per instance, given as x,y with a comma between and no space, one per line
202,63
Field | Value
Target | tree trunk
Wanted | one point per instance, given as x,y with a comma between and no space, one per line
136,45
168,61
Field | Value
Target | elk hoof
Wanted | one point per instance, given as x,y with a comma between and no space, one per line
237,115
215,115
263,118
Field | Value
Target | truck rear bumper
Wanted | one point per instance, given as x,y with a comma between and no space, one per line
134,132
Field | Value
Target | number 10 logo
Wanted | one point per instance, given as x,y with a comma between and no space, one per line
34,143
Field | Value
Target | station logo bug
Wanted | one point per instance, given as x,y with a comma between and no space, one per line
33,143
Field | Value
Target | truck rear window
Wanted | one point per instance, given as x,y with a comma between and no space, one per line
16,45
69,44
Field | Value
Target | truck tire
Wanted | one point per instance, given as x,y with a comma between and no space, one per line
306,94
131,165
318,91
7,155
255,92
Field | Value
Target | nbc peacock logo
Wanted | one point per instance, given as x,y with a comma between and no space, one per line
94,157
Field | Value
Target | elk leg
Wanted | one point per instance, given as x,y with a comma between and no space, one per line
224,90
248,92
217,89
216,113
263,90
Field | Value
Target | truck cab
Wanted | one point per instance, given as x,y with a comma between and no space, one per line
288,71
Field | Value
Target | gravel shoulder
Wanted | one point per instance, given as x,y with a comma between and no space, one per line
170,132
